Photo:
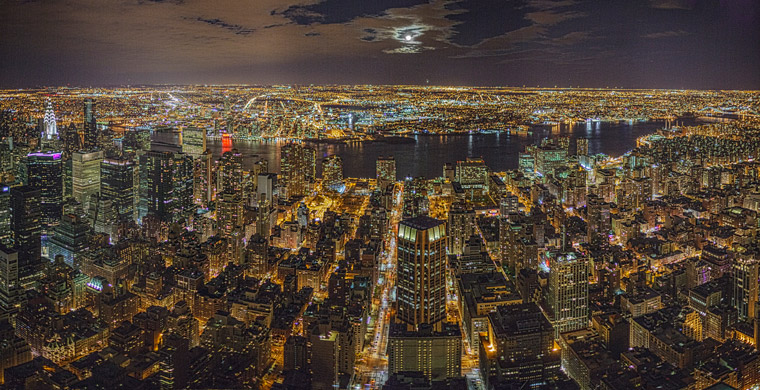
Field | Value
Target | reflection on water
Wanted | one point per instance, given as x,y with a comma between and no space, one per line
427,156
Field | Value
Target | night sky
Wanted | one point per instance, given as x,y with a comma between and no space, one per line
710,44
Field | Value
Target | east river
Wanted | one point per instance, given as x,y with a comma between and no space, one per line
427,156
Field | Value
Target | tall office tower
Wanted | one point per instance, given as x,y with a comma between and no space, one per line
70,238
193,141
461,226
567,291
85,176
297,168
202,182
599,222
549,158
332,173
581,146
386,171
230,172
117,185
472,174
166,185
90,129
10,287
745,297
519,347
266,188
45,173
419,338
421,281
50,130
6,236
229,212
415,197
26,214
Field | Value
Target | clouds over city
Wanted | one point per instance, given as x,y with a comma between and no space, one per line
504,42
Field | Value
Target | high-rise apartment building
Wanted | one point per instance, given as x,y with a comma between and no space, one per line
230,172
598,219
461,226
415,197
297,167
332,173
386,171
229,212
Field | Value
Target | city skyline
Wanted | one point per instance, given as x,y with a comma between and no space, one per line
698,44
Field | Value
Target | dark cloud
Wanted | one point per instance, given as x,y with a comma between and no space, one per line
342,11
235,28
478,20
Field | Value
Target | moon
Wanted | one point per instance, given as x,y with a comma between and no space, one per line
408,37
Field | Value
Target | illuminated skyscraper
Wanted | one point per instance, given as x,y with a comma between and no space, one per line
461,226
549,158
50,131
6,235
297,169
419,337
386,171
85,176
472,174
26,215
202,183
70,238
193,141
229,212
10,287
230,172
745,297
421,281
166,185
567,291
415,197
581,146
598,219
332,173
45,173
118,184
90,127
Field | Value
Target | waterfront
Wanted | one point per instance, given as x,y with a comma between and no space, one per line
427,156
